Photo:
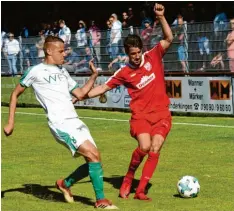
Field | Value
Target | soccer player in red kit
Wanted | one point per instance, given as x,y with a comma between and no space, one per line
150,122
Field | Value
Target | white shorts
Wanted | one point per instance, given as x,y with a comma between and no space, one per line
71,133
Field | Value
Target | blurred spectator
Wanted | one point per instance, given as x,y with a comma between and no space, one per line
132,21
156,34
11,50
179,38
119,62
144,19
49,30
95,37
3,39
189,13
55,28
116,35
230,46
43,28
220,20
81,38
64,32
217,62
125,20
108,34
39,46
26,58
71,59
204,49
83,65
146,35
24,33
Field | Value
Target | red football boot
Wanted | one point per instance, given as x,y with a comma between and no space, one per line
125,188
142,196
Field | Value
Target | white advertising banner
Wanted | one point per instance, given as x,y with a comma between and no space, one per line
115,98
187,94
200,94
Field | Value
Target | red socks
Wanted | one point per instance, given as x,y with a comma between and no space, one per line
148,170
137,157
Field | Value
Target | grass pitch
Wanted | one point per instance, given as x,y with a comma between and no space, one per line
32,161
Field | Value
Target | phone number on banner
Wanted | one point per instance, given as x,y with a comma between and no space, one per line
216,107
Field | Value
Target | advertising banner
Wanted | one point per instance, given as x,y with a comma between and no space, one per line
200,94
187,94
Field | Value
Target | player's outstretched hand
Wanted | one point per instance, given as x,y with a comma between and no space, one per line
92,67
159,9
8,129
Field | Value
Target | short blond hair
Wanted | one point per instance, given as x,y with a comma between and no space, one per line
50,39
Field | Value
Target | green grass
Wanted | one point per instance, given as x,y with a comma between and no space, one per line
32,161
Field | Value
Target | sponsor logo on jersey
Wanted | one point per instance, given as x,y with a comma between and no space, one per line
148,66
133,75
145,80
55,78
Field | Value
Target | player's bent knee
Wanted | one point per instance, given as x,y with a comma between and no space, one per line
93,156
145,148
156,147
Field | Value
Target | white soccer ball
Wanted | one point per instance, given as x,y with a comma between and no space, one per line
188,187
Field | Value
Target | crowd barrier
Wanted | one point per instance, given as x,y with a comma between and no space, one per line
211,94
201,43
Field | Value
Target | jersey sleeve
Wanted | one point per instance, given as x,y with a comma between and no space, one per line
71,82
28,78
116,80
157,51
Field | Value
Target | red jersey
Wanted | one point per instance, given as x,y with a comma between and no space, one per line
145,85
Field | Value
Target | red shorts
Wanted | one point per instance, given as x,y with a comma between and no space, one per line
153,124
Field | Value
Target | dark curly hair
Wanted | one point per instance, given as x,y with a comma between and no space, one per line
132,40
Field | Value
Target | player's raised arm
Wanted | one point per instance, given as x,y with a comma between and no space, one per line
80,93
9,127
168,37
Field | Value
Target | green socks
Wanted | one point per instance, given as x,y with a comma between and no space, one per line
96,176
80,173
94,170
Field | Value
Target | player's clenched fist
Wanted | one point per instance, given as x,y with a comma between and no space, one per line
92,67
159,9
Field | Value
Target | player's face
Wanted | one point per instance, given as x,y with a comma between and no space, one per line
135,56
57,52
232,24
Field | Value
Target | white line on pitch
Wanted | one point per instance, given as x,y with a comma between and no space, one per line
125,120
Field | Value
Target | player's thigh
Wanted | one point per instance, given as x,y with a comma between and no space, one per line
140,130
72,134
162,126
159,133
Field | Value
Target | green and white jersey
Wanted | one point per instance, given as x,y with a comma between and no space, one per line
52,87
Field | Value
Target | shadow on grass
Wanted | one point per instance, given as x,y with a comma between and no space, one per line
44,192
177,196
116,182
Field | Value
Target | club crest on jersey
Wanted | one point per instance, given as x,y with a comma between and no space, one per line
145,80
148,66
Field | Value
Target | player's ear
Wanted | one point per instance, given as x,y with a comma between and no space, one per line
48,49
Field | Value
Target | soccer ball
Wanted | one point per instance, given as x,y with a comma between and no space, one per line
188,187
